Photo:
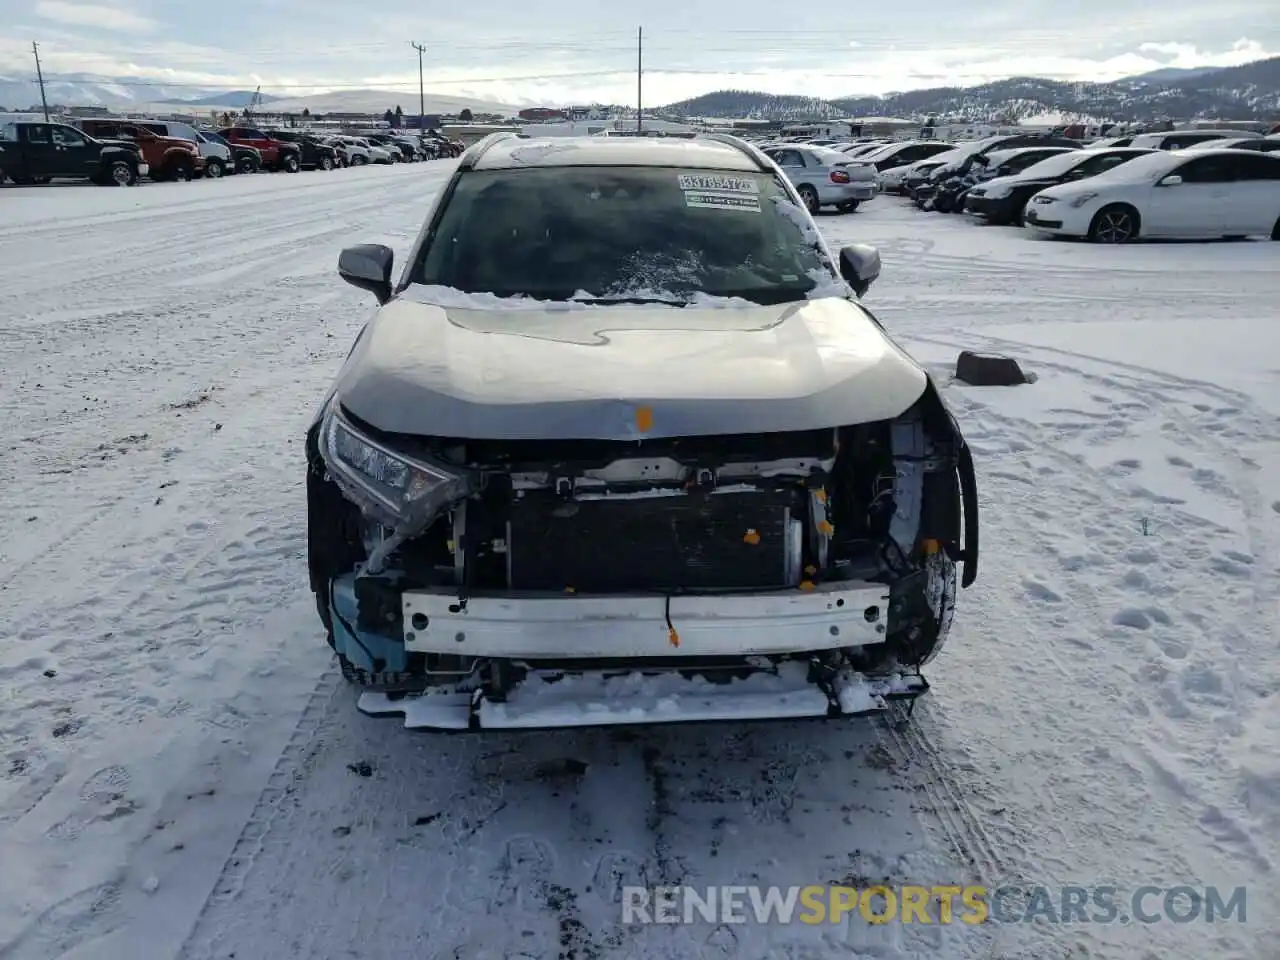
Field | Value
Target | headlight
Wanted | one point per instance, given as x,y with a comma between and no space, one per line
1082,199
400,491
1041,198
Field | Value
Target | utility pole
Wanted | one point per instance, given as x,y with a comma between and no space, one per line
35,49
639,78
422,97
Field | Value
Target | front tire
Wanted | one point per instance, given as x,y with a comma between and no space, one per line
359,161
122,174
214,169
326,163
848,206
1114,224
809,197
290,163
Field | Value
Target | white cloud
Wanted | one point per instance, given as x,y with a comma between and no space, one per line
587,68
99,16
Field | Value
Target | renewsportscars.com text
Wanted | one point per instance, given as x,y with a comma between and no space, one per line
939,904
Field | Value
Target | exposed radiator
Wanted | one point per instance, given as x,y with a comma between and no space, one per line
694,541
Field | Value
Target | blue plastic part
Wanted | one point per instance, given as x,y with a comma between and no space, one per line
361,646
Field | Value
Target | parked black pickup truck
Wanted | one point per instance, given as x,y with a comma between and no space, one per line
32,152
315,155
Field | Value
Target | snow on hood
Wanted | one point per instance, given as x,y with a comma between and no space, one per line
539,371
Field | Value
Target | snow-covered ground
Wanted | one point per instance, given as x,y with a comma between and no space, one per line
183,775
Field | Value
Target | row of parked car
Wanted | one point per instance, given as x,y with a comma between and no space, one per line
112,151
844,175
1195,184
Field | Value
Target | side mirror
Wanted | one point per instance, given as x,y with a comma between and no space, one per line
368,266
859,266
1171,181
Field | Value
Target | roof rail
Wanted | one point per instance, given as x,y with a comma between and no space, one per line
761,161
471,156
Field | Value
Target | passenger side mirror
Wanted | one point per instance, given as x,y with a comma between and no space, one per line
1171,181
859,266
368,266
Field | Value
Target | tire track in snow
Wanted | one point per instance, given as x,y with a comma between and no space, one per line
1182,686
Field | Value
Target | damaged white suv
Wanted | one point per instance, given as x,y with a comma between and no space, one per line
622,446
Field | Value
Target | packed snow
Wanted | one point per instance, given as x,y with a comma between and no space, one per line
184,776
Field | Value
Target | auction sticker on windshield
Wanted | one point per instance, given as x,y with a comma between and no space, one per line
718,182
718,191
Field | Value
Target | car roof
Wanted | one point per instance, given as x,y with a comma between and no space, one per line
1011,152
520,152
1187,153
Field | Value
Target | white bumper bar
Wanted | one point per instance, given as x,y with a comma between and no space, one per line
577,626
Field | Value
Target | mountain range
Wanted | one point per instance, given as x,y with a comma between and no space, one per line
137,93
1247,92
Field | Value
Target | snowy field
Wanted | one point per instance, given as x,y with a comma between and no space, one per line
183,776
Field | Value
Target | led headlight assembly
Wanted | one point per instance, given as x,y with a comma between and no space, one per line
402,492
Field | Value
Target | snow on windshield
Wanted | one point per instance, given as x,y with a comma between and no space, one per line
626,233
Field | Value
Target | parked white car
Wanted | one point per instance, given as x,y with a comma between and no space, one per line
353,151
217,156
376,154
1260,144
1191,194
825,177
1181,139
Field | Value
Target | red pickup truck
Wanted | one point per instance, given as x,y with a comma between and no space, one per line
276,154
167,157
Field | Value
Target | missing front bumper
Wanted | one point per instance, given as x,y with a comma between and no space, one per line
547,700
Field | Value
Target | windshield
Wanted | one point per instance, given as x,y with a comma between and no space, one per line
1056,165
630,233
1149,167
214,138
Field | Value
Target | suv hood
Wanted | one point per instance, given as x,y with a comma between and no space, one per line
556,371
126,144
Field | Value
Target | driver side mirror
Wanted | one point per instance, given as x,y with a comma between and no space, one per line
368,266
859,266
1171,181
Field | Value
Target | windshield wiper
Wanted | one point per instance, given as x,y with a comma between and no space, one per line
602,301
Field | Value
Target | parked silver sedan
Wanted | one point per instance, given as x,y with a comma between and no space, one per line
825,177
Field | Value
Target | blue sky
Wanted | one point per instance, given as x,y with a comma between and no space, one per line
568,50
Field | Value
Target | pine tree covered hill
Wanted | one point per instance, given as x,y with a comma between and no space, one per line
1248,92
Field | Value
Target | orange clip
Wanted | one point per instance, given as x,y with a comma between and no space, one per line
673,637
